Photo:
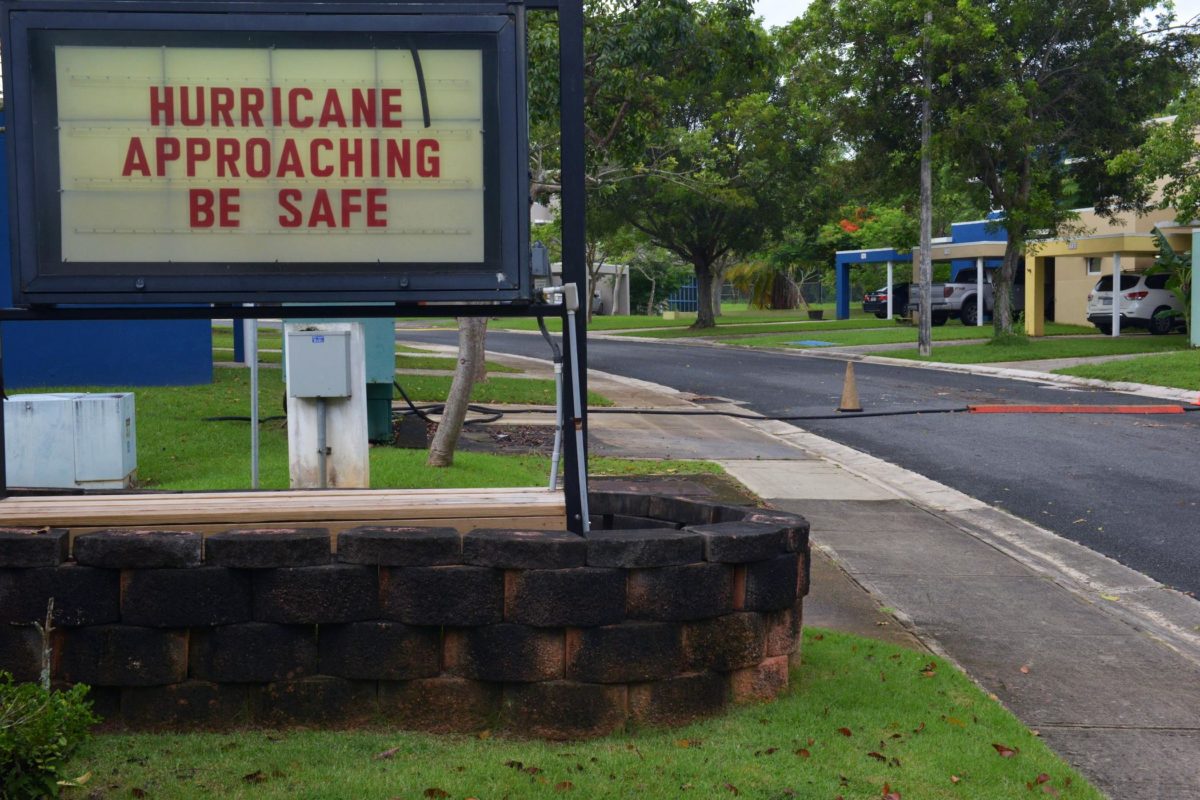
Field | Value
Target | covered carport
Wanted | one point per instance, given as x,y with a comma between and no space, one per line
1118,252
980,242
845,259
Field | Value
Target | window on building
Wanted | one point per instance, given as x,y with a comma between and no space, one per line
1093,265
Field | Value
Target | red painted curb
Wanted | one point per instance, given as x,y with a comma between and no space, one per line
1061,409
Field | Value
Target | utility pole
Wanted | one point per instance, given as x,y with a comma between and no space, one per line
925,276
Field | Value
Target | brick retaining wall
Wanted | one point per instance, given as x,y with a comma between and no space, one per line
668,611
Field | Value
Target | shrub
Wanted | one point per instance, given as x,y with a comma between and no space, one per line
38,730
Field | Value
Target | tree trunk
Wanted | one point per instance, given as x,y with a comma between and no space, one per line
650,302
785,295
471,332
481,374
704,299
718,278
1002,283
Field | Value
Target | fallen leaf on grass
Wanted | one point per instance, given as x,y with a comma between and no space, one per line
803,753
435,793
888,794
919,728
485,735
845,732
563,786
255,777
1004,751
955,779
1042,778
877,756
955,721
686,743
732,789
391,751
77,782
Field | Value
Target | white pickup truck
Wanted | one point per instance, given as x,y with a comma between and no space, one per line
960,297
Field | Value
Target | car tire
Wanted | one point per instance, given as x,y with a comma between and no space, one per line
1104,328
938,319
881,315
967,314
1159,325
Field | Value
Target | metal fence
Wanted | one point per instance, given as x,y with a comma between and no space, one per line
686,297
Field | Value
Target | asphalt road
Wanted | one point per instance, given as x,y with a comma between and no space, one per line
1127,486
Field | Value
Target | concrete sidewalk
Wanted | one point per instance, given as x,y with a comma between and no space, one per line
1101,660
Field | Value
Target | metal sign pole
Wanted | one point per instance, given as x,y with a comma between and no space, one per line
570,71
251,338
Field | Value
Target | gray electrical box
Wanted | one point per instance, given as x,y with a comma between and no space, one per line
318,363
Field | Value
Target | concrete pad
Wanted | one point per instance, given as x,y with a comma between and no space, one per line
910,553
1109,681
801,479
632,436
855,516
1005,607
1097,570
1152,765
835,601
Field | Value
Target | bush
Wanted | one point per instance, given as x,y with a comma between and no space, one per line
38,730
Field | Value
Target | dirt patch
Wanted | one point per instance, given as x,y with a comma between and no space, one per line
500,439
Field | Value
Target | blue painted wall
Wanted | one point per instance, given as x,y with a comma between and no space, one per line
147,353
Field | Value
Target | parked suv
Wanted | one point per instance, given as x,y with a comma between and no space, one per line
1145,303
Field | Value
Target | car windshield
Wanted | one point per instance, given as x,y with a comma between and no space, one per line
1127,282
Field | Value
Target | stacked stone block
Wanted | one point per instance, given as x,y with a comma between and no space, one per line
669,610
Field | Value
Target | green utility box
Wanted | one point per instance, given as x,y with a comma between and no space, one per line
379,342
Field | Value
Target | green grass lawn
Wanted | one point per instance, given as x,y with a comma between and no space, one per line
269,344
731,314
890,333
1042,348
730,328
1180,370
178,449
862,720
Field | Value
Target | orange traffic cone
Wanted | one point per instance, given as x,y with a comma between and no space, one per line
850,391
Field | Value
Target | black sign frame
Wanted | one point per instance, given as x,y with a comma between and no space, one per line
42,277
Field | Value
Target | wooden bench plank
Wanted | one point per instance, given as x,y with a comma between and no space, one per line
489,507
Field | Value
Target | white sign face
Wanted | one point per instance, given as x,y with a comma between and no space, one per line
182,154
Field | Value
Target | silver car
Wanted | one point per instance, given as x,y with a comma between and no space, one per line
1145,303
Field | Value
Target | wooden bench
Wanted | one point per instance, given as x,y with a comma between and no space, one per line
211,512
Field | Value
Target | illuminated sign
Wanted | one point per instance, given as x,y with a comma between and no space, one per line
251,158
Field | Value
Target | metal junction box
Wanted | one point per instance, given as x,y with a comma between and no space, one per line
318,363
70,441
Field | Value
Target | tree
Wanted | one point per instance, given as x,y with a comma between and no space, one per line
1164,171
738,148
653,275
1030,98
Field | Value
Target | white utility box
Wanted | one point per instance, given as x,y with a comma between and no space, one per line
70,441
318,362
